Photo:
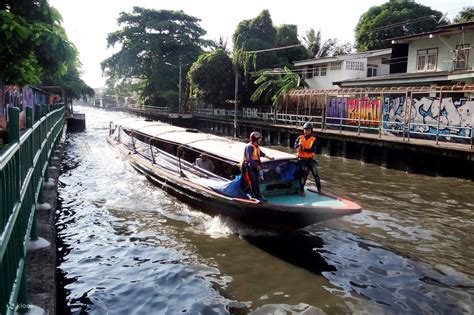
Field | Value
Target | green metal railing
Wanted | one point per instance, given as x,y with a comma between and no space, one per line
23,168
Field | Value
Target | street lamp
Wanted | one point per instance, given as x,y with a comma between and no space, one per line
179,84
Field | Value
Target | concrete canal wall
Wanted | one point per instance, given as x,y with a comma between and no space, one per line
395,152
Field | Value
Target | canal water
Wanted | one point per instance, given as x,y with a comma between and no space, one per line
127,247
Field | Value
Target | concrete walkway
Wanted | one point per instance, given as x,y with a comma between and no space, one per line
41,263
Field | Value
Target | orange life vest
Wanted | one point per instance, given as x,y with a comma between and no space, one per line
305,144
255,153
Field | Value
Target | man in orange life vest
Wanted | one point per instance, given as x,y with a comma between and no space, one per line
306,148
251,164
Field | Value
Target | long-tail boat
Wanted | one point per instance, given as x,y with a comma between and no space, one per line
165,154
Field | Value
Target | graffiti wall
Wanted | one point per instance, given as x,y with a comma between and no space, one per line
21,97
348,110
422,114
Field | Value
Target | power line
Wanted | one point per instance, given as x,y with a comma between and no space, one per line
407,22
273,49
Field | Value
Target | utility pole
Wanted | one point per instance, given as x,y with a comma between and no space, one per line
179,82
179,87
236,99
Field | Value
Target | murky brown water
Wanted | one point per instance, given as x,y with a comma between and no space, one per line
127,247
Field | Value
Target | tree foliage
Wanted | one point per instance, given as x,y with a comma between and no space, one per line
252,35
465,15
74,86
287,35
260,34
394,18
153,44
273,86
32,42
330,47
211,77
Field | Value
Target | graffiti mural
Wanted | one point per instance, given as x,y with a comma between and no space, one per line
349,110
250,112
11,96
21,97
422,115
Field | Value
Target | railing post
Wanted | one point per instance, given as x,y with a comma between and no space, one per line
340,113
409,113
37,112
382,103
13,130
325,110
22,300
359,113
29,117
439,116
34,232
404,115
13,126
472,130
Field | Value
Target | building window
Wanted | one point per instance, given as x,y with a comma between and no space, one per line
371,71
461,56
324,70
335,65
309,72
316,71
355,65
426,59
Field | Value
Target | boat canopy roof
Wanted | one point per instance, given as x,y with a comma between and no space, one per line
222,147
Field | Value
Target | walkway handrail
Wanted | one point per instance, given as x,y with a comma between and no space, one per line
23,167
403,111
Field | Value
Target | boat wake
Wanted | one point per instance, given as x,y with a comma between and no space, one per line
223,227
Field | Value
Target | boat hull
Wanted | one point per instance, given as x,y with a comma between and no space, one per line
267,215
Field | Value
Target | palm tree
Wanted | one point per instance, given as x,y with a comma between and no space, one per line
275,85
313,41
330,47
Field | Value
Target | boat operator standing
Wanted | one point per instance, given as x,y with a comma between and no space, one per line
306,148
251,164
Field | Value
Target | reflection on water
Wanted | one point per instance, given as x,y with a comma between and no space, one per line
127,247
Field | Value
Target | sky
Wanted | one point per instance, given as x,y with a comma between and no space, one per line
87,22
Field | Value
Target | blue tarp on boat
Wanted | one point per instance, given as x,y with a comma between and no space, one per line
233,188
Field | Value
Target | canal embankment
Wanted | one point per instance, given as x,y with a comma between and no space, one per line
411,155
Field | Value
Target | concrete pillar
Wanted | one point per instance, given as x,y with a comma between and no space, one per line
285,139
327,149
244,132
384,162
344,149
267,137
410,162
363,153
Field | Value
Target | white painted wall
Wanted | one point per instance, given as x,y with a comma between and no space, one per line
354,74
382,69
326,82
445,46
